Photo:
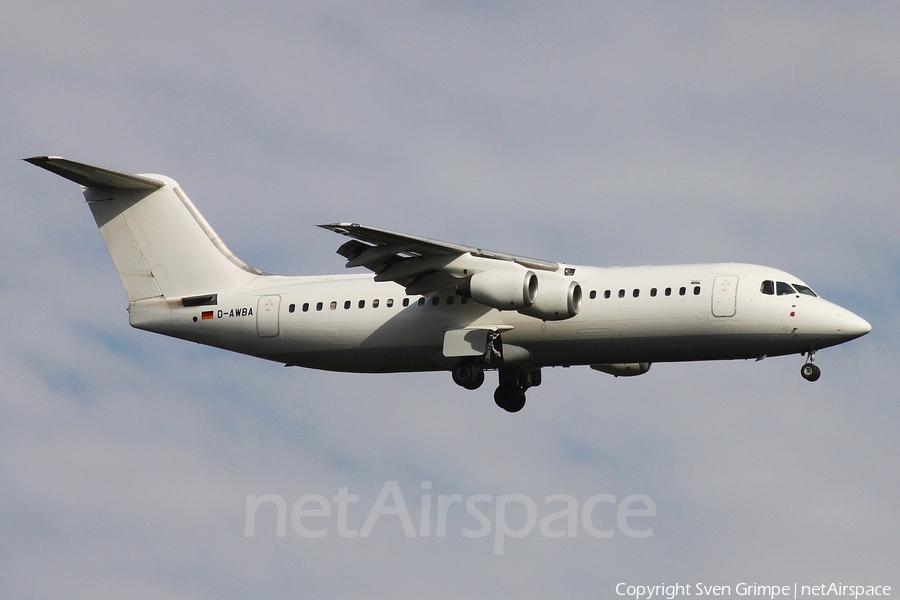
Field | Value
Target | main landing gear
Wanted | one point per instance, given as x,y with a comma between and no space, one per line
810,371
468,375
510,394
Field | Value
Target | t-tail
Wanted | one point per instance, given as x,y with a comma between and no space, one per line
161,245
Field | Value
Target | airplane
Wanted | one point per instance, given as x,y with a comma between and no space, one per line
435,306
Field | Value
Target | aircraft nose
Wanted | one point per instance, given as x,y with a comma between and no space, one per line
833,324
854,326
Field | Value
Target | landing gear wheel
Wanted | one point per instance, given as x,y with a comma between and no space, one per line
477,380
810,372
511,399
468,376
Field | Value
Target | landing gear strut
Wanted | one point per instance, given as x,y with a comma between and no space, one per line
510,394
810,371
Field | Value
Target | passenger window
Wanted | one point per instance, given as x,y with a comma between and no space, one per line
805,290
668,291
362,303
292,307
783,289
406,302
435,301
636,292
318,306
621,293
305,306
422,301
390,302
375,303
767,287
333,305
607,294
593,294
653,292
449,300
681,291
463,300
346,305
696,290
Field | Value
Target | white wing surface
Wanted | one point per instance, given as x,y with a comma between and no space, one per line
420,264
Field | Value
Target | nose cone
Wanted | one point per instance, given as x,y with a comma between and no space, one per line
831,324
853,326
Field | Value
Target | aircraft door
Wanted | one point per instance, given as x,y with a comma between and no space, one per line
267,316
724,296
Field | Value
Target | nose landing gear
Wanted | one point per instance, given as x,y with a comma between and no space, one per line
810,371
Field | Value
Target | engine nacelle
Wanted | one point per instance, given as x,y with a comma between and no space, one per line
501,289
623,369
557,300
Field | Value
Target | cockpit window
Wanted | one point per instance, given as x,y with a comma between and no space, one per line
783,289
768,287
804,290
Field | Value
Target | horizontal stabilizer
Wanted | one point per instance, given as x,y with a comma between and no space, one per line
94,177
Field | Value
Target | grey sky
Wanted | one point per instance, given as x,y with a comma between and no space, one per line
595,134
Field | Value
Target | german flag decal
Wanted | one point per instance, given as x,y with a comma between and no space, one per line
207,314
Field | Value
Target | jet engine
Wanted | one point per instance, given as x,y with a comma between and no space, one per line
558,300
623,369
501,289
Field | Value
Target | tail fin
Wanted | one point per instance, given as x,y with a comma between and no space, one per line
160,244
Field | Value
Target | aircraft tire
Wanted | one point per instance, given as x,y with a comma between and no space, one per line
478,380
810,372
468,376
510,399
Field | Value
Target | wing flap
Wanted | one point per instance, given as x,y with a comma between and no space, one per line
352,248
377,254
430,282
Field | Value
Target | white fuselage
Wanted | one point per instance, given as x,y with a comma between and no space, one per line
352,323
431,305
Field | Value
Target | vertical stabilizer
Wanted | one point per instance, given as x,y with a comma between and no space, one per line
160,244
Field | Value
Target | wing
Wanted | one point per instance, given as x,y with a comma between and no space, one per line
422,265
